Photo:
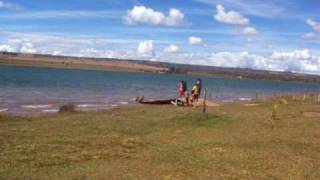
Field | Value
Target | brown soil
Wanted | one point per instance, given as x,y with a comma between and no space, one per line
249,105
208,103
311,114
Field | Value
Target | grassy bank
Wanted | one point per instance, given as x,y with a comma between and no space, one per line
163,142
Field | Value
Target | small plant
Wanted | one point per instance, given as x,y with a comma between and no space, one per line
67,108
274,111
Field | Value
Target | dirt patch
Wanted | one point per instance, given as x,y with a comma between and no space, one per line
250,105
208,103
311,114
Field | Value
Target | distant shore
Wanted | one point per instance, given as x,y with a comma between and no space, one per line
33,60
123,65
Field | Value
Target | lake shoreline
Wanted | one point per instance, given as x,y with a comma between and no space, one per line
45,111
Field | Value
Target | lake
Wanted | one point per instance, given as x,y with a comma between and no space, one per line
26,90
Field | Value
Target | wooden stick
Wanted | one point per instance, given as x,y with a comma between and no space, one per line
204,101
304,97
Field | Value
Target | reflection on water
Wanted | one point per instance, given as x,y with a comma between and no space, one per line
25,90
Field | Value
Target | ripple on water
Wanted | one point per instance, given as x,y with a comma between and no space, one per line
37,106
91,105
50,110
3,110
124,103
245,99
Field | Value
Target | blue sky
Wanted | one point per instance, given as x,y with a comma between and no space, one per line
273,35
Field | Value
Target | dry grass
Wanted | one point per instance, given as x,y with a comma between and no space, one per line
232,141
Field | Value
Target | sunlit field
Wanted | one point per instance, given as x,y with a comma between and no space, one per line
163,142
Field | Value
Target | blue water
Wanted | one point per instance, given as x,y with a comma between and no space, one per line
30,90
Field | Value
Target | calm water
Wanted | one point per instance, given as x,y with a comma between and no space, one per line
31,90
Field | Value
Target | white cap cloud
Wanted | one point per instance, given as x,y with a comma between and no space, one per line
145,47
249,31
314,24
142,14
172,49
234,18
230,17
196,41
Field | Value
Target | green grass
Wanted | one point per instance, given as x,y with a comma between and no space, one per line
164,142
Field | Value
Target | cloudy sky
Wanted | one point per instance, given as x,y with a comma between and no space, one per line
272,35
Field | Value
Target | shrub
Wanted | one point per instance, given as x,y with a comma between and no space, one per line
67,108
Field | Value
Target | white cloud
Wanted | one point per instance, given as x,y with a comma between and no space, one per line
314,24
230,17
142,14
145,47
295,61
65,41
8,5
310,36
300,60
16,45
28,48
254,7
172,49
221,59
296,54
78,46
176,17
92,52
250,31
235,18
56,53
196,41
7,48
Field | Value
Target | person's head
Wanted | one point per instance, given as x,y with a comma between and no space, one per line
198,81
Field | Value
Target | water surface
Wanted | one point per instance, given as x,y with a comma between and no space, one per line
31,90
